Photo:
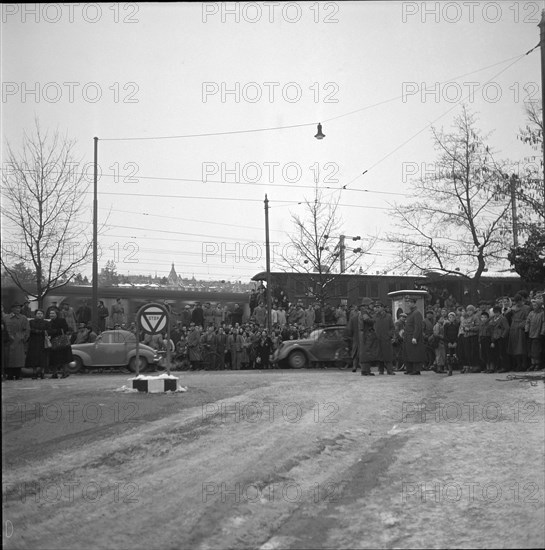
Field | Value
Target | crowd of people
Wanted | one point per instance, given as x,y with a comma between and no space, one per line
214,337
42,340
505,336
508,335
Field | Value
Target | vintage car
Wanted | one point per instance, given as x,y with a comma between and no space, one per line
113,348
325,347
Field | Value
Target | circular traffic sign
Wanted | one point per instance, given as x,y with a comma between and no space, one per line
152,318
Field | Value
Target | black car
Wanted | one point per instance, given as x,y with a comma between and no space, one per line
324,347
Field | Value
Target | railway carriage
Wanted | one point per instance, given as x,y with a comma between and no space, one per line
351,288
132,298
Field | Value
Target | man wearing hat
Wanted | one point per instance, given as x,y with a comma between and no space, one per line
368,344
19,330
399,330
414,349
353,333
384,329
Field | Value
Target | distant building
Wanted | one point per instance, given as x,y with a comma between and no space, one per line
173,279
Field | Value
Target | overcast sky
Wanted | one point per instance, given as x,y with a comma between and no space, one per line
377,75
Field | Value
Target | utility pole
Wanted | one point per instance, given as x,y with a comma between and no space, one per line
268,260
542,45
341,250
94,306
512,184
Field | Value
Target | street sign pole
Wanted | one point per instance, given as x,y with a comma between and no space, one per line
137,357
168,348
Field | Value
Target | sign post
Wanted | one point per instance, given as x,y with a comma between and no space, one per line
152,319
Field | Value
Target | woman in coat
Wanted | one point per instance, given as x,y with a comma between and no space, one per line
414,348
18,330
59,357
37,356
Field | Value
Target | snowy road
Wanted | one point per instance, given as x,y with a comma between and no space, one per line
276,459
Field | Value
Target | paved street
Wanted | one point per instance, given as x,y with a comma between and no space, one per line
274,459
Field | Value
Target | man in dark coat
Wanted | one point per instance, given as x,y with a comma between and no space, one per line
197,315
368,344
103,314
353,333
384,329
414,348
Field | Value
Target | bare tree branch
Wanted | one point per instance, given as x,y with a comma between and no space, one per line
457,225
43,207
316,241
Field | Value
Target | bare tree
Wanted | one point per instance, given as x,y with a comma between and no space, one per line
43,206
318,248
458,223
530,191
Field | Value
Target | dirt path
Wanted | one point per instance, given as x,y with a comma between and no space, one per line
323,460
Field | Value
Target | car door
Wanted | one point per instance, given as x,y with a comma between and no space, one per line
325,346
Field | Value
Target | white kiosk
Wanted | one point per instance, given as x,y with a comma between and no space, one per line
400,306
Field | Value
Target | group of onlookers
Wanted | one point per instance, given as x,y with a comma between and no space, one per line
44,341
238,346
506,336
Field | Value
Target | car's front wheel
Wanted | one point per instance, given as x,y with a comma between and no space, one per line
75,366
143,364
297,360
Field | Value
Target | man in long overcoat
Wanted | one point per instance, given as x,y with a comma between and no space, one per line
368,349
353,333
516,343
103,314
384,329
414,348
19,331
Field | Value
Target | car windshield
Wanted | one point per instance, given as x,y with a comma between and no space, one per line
315,334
